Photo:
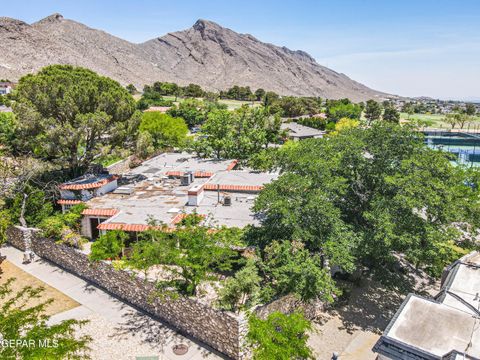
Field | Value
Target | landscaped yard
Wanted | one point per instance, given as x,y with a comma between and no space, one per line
61,302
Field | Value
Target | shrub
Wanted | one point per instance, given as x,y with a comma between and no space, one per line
5,223
108,246
280,337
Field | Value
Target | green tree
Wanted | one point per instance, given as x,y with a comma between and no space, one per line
373,111
365,194
344,110
391,115
259,94
242,290
291,269
470,109
193,111
280,337
166,131
21,322
8,127
217,135
66,114
109,245
144,147
196,252
131,89
193,90
269,98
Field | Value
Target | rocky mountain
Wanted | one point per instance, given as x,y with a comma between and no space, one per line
206,54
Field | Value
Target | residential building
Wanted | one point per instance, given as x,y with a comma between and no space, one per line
85,188
166,188
299,132
6,87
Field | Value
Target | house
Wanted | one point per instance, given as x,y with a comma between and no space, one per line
446,327
84,188
299,132
6,87
166,188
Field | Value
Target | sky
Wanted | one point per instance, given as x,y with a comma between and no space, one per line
405,47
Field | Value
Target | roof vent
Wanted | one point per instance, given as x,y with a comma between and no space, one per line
227,200
185,180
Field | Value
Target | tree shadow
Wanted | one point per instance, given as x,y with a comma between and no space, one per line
157,334
370,304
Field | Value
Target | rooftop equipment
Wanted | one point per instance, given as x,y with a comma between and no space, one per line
227,200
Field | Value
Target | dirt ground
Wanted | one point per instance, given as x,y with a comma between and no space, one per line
22,279
353,326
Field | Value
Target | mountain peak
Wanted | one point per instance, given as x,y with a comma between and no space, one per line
202,25
54,18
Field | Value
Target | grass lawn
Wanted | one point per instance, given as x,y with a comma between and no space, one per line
232,104
61,302
436,120
235,104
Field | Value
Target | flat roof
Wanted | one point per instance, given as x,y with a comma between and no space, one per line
435,328
450,324
242,177
149,202
299,130
173,162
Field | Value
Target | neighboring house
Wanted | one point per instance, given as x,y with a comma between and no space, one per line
166,188
6,87
444,328
84,188
299,132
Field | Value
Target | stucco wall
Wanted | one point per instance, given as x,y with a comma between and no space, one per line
221,330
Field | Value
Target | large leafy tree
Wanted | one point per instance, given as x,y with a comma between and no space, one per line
367,193
29,324
166,131
239,134
373,111
66,114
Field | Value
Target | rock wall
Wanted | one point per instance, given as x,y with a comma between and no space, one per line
221,330
120,167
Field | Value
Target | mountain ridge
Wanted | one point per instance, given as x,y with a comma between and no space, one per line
207,54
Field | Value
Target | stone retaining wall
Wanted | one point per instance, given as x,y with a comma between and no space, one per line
221,330
120,167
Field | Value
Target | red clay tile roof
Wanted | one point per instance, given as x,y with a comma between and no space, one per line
232,165
93,185
69,202
224,187
197,174
100,212
122,226
138,227
131,227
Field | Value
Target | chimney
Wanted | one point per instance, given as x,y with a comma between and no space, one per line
195,195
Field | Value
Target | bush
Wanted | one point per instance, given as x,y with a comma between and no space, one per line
280,337
108,246
52,227
5,223
242,290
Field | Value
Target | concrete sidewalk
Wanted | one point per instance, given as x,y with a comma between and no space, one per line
119,331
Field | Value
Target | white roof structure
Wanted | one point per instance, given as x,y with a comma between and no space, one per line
447,327
299,131
223,196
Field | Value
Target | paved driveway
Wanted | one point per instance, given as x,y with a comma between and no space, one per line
119,331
